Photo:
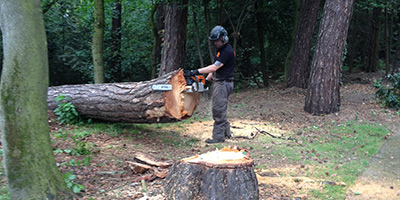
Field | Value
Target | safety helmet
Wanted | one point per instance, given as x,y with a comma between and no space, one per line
219,33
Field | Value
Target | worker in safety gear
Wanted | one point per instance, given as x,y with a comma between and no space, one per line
221,73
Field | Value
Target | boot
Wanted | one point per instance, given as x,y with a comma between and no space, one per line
211,141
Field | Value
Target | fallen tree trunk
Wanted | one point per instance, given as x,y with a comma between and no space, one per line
130,102
223,174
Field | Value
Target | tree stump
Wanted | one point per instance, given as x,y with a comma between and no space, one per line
222,174
130,102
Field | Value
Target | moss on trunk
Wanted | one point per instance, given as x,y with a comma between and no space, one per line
28,157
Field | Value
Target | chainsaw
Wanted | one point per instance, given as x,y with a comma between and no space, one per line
194,83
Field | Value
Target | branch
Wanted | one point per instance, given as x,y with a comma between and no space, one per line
48,6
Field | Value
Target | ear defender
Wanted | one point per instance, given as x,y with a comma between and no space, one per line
226,39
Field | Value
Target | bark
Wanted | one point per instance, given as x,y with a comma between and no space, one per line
158,28
396,64
97,42
116,37
374,41
156,36
196,31
173,56
352,42
207,19
211,180
387,42
299,63
260,33
130,102
296,22
323,94
28,155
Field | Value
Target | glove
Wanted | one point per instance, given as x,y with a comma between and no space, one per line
191,72
207,84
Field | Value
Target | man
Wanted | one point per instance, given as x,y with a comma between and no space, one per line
222,74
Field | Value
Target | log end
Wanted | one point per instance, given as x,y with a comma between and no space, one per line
227,157
179,104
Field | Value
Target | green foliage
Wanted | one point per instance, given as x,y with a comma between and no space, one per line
66,111
78,163
69,180
389,95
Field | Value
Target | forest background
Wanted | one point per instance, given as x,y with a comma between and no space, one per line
252,25
263,34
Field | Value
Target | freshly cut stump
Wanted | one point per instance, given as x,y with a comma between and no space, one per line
222,174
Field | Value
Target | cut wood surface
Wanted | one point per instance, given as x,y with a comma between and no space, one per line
133,102
151,161
222,174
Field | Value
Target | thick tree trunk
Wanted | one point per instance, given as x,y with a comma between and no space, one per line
299,63
218,175
130,102
28,156
173,56
97,43
323,94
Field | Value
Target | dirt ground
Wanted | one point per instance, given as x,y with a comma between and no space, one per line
275,109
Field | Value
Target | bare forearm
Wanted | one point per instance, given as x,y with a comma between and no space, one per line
209,69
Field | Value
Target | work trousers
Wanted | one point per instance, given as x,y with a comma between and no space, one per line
221,92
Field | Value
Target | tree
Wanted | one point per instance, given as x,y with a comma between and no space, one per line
374,40
97,42
261,41
299,63
28,156
173,55
116,37
323,94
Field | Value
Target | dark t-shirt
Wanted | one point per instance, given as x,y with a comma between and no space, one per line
226,56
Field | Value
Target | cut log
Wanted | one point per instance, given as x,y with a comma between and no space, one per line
130,102
151,161
138,167
222,174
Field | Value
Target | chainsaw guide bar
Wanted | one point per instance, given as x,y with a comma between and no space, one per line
161,87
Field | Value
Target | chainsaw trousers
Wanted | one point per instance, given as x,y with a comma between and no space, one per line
221,92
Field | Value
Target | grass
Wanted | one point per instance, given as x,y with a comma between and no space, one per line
342,150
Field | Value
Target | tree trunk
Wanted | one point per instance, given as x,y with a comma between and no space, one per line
260,33
387,41
97,44
115,61
196,31
130,102
222,174
299,63
323,94
374,41
173,56
396,63
28,156
156,36
352,41
296,22
207,19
